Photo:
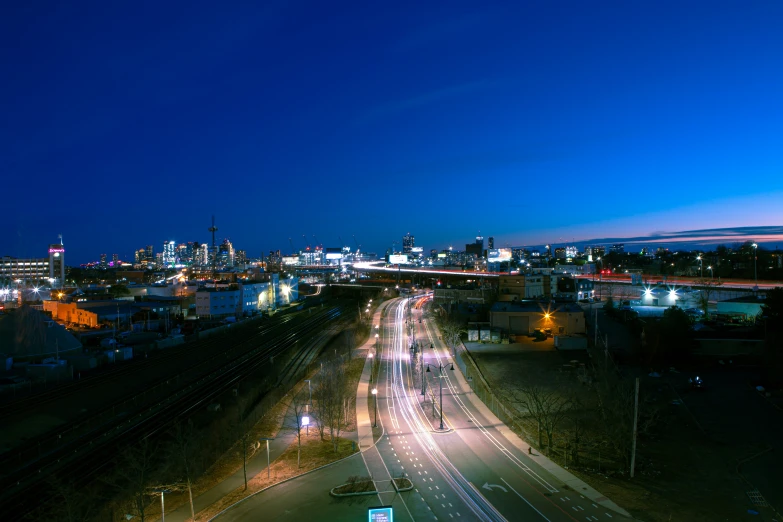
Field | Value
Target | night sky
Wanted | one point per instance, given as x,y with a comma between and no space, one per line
130,123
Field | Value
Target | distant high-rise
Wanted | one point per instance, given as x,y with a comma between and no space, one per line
57,263
617,247
480,241
103,260
169,253
226,253
408,242
115,259
202,256
491,242
241,258
149,254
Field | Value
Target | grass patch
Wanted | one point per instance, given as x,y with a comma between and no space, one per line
315,453
356,484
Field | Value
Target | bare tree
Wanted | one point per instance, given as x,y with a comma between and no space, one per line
299,409
330,399
547,407
707,288
183,448
135,474
452,331
243,435
67,501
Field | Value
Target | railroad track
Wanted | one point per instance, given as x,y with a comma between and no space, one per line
82,457
35,447
58,392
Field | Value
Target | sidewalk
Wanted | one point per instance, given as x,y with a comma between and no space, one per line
552,468
255,465
372,458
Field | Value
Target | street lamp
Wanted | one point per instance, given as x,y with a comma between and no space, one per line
375,395
267,455
441,368
710,269
310,390
755,258
162,491
370,356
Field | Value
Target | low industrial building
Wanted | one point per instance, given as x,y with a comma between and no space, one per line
749,307
574,289
669,296
118,312
246,298
525,317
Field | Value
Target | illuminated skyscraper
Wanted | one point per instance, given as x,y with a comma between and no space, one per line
169,253
408,242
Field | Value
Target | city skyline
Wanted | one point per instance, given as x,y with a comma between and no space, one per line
529,122
689,240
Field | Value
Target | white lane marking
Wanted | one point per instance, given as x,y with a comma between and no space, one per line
526,500
608,515
595,506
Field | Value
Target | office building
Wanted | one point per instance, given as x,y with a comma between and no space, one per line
44,270
408,242
169,253
618,248
491,243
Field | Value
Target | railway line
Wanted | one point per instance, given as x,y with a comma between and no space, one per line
81,456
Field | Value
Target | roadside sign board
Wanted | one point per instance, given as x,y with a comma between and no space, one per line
381,514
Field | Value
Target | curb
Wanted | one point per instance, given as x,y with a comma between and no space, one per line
406,488
357,494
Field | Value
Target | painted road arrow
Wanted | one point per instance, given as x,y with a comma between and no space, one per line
489,487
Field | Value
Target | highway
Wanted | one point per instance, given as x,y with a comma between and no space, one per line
469,471
380,267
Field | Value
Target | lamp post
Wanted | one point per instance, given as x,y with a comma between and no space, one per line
701,265
310,390
162,492
440,367
423,380
755,258
370,356
375,396
711,274
267,455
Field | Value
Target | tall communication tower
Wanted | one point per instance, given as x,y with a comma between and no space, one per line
214,229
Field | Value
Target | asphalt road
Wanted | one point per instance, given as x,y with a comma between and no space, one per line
472,469
469,471
307,498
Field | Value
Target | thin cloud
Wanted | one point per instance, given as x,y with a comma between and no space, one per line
393,107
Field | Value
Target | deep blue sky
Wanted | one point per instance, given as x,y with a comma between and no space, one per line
125,124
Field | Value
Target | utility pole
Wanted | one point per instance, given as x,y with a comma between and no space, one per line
635,423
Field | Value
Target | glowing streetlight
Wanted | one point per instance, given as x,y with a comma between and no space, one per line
710,269
755,257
